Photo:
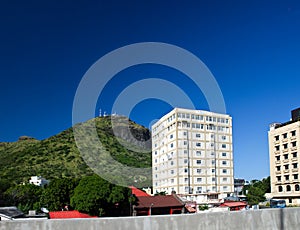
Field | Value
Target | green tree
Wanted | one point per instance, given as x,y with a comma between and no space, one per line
57,194
256,190
25,197
98,197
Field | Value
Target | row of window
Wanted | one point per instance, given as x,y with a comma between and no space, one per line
285,135
286,156
285,146
199,179
199,171
197,153
201,162
288,188
287,177
287,166
200,117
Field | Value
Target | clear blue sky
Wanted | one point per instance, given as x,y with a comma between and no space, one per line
251,47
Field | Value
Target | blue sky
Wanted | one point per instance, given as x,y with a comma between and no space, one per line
251,47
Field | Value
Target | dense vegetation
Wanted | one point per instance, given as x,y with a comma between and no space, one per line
91,195
256,190
58,156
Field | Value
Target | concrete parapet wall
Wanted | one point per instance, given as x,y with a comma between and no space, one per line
283,219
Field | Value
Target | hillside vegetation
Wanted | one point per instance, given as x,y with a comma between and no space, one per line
58,156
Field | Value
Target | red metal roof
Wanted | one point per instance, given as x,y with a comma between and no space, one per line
68,215
233,204
159,201
138,192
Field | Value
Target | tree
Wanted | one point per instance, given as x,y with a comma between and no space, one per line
58,193
257,189
25,197
97,197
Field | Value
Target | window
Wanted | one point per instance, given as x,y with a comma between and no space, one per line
224,146
277,138
287,177
224,162
185,161
285,146
278,168
198,170
286,156
172,163
280,188
199,179
295,165
277,147
294,144
185,179
284,135
172,180
288,188
184,133
223,138
224,171
278,178
296,187
295,176
185,151
198,144
193,116
172,171
199,189
278,158
187,115
198,153
198,135
171,145
225,179
212,170
293,133
213,162
198,162
286,166
224,154
185,170
171,136
184,142
294,154
213,179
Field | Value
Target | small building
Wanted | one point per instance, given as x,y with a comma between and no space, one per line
68,215
158,205
10,213
234,205
137,192
38,181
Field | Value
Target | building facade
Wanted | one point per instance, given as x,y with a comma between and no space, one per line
192,153
284,140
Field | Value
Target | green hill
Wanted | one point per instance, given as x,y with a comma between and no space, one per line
58,156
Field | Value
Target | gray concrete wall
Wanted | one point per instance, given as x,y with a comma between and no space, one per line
283,219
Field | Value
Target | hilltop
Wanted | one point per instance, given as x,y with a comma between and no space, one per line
59,157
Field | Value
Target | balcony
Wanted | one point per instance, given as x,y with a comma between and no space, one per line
285,150
285,140
286,171
276,142
277,152
277,162
295,170
294,148
286,161
294,159
293,138
278,172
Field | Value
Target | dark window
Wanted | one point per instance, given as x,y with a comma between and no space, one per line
294,143
278,178
278,168
277,148
285,146
286,166
296,187
287,177
284,135
294,154
288,188
277,138
280,189
286,156
278,158
295,165
293,133
295,176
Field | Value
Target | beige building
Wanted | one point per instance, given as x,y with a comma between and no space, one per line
192,153
284,140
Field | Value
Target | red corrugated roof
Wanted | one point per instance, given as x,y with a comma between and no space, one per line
158,201
68,215
137,192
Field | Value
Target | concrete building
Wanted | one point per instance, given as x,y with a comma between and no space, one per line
192,154
284,147
38,181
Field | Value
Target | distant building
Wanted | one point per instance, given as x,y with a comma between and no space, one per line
192,154
284,153
239,185
38,181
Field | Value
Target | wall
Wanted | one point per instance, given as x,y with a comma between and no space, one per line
283,219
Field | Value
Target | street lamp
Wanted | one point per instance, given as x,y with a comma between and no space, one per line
150,209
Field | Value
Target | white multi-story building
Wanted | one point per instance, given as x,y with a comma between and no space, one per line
284,147
192,153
